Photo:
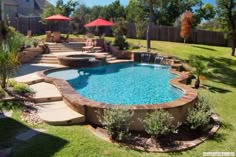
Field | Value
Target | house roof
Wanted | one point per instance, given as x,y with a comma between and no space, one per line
29,12
42,4
10,2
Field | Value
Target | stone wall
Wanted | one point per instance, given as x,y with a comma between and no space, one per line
28,54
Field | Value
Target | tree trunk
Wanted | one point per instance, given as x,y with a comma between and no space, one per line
151,14
197,83
148,37
233,45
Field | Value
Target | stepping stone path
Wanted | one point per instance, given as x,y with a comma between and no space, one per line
25,136
58,113
45,92
5,114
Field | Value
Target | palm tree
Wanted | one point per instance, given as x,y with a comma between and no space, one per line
9,47
199,68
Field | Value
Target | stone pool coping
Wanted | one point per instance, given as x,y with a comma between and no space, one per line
184,144
68,93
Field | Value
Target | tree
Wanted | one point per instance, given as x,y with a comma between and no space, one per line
150,4
60,8
186,25
9,54
198,68
205,12
113,11
119,31
212,25
226,10
67,8
135,13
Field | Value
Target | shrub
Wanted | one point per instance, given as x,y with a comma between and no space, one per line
35,42
199,116
159,123
116,121
119,31
2,92
11,83
22,89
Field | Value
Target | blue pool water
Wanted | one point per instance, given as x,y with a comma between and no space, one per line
123,83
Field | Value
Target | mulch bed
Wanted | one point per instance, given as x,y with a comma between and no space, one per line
185,138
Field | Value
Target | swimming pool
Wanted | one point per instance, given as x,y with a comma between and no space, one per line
122,83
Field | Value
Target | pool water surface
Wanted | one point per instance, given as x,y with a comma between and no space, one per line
122,83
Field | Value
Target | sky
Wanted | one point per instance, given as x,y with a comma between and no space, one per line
91,3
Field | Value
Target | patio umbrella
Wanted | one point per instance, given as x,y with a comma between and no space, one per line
57,17
99,22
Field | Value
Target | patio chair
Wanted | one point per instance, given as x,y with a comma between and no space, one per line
56,37
49,37
88,46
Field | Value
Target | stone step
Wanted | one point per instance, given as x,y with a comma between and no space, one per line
58,113
46,61
46,56
111,58
45,92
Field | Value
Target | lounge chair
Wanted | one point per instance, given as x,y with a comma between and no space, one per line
88,46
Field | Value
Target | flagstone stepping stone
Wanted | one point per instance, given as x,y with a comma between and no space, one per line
46,92
25,136
58,113
5,114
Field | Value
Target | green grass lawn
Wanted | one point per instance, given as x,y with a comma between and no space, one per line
77,141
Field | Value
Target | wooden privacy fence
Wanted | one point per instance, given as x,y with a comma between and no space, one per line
23,24
170,33
163,33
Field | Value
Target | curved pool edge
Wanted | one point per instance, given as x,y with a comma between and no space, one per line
91,109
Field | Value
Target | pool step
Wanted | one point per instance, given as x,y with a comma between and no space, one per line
45,92
58,113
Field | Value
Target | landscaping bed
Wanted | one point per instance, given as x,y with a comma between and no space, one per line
185,138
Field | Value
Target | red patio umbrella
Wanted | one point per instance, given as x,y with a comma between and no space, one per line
99,22
57,17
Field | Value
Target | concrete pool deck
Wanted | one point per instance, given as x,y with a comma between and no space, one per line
48,94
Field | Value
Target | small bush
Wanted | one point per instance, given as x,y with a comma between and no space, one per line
2,92
199,116
159,123
22,89
116,121
11,83
35,42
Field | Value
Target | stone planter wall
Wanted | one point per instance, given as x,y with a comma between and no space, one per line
29,53
120,54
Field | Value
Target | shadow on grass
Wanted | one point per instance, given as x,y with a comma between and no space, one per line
42,144
220,70
205,48
220,137
214,89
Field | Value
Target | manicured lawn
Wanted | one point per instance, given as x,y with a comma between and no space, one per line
77,141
